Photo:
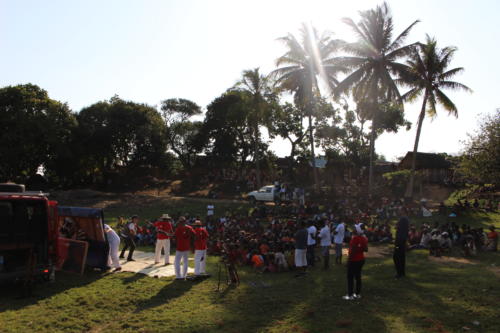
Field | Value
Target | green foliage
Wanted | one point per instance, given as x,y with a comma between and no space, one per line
225,134
181,133
396,181
36,131
480,161
119,134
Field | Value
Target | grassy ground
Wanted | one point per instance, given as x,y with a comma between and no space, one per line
443,295
436,297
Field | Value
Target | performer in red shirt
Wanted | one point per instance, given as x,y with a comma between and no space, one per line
357,248
164,231
183,236
200,248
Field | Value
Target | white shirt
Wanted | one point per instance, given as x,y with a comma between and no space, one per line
339,237
324,234
311,233
210,210
113,238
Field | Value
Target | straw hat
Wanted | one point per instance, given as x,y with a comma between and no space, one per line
166,217
197,222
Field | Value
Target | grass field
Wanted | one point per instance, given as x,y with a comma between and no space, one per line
447,295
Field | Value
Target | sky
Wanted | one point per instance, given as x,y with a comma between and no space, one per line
82,52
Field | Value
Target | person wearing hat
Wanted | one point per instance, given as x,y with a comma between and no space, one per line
164,231
183,234
128,233
200,248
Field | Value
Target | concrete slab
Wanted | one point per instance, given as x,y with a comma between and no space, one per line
145,264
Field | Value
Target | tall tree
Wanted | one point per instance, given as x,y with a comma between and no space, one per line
373,61
429,75
225,134
304,61
480,161
119,134
257,86
287,121
181,132
35,130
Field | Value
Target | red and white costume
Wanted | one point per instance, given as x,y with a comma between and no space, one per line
163,240
200,250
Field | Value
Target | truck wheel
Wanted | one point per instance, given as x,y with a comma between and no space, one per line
252,200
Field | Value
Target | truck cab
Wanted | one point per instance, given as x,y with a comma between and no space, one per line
35,240
28,235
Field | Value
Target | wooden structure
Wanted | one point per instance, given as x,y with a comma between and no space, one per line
434,168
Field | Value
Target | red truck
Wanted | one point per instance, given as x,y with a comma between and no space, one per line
32,245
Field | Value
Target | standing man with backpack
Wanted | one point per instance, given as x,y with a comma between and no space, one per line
128,232
399,256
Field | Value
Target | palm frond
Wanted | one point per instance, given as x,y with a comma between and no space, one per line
399,40
447,104
450,73
454,86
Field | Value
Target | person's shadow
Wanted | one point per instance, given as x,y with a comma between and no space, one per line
168,293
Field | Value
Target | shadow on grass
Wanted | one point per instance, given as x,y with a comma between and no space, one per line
281,302
11,293
171,291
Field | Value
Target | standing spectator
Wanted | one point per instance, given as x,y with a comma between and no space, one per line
399,256
325,242
357,248
300,248
492,240
183,235
200,248
164,231
338,239
129,232
311,243
114,246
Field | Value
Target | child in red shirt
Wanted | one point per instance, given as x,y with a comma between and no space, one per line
357,248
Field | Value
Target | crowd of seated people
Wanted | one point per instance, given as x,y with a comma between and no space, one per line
439,239
264,237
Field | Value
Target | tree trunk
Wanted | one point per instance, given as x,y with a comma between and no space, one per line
372,153
256,155
313,157
409,188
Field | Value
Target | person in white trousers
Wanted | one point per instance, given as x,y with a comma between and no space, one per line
164,231
183,236
200,249
114,245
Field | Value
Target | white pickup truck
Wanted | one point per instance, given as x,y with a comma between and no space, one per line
266,193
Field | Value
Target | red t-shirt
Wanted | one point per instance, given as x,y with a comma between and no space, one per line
183,238
200,238
357,247
257,261
164,226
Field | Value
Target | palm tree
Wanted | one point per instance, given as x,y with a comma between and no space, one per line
257,86
373,62
304,60
428,75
